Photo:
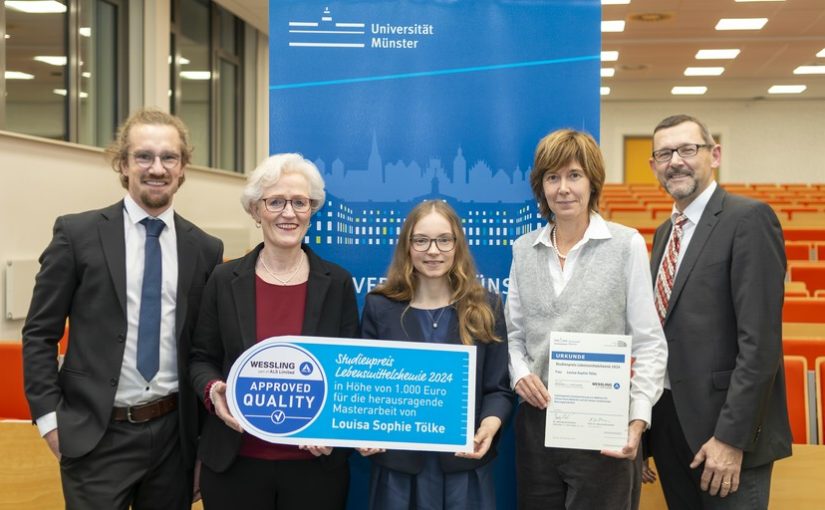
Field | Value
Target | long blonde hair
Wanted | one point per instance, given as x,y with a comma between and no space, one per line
475,316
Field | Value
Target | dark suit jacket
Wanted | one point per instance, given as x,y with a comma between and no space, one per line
385,319
226,329
724,329
83,277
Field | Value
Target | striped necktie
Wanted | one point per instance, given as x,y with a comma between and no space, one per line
667,271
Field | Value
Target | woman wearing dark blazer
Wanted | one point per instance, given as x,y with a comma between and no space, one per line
279,288
432,295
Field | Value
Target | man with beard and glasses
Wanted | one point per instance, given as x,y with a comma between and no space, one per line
119,413
718,269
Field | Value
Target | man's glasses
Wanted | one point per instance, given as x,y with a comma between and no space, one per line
277,204
423,243
687,150
145,159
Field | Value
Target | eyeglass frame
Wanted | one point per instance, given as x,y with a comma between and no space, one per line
677,149
178,159
431,240
289,201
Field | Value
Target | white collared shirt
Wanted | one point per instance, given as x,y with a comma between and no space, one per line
132,389
649,346
694,212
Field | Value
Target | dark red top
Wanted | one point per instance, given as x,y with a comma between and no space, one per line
279,310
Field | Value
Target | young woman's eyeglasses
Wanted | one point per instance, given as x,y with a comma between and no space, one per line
687,150
277,204
145,159
423,243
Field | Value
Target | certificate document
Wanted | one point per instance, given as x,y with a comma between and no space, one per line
589,385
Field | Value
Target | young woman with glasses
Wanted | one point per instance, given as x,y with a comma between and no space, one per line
431,294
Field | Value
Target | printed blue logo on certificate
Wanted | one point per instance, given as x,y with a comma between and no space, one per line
280,388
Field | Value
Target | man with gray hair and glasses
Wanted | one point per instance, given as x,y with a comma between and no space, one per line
718,268
120,414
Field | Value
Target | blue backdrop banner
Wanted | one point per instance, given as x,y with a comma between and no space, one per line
397,101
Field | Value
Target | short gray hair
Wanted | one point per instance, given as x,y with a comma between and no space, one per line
272,168
675,120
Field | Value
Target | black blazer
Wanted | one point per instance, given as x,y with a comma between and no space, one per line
382,319
226,328
83,277
724,329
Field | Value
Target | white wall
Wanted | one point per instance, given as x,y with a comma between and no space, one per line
762,141
42,180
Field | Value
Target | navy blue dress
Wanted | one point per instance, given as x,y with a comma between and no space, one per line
432,488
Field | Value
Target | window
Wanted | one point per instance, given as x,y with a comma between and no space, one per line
62,70
206,86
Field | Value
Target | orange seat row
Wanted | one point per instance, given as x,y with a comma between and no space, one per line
13,405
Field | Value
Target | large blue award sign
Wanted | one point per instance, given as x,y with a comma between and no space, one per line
366,393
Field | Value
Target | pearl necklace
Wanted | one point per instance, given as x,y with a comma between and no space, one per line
555,245
294,272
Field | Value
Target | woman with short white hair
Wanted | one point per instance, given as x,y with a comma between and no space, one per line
279,288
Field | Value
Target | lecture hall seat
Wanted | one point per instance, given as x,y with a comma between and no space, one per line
820,397
798,250
13,405
812,273
796,289
796,388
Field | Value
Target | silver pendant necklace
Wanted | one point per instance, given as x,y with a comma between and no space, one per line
294,272
436,319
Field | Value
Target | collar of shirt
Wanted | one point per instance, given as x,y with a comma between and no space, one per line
135,213
597,229
695,209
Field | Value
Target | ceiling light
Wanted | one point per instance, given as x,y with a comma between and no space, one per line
604,91
809,70
51,60
615,2
787,89
704,71
688,91
62,92
717,54
612,56
17,75
86,74
613,26
195,75
36,6
820,54
607,72
741,23
181,60
9,37
85,31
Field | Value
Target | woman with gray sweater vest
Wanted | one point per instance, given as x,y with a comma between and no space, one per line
579,273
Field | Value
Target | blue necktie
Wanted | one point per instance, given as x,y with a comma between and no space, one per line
148,345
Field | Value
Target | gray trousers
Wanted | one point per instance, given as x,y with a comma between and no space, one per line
680,484
133,464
